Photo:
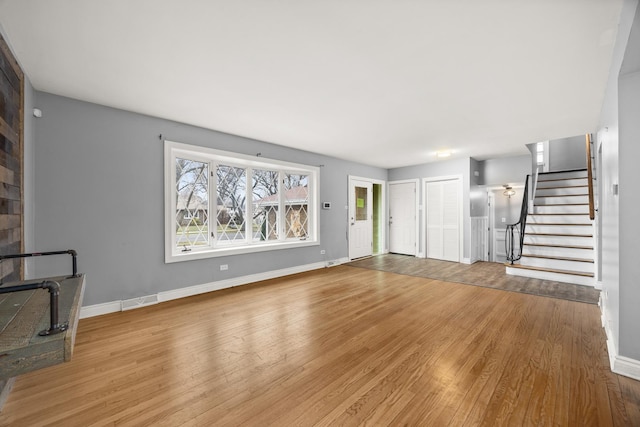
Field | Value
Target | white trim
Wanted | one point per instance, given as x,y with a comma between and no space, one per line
338,261
491,223
460,179
417,211
598,285
619,364
116,306
466,261
626,366
236,281
239,250
100,309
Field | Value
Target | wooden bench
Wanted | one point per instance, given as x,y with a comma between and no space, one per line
27,341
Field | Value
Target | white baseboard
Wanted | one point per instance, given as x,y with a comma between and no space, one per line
132,303
100,309
338,261
466,261
619,364
116,306
598,285
627,367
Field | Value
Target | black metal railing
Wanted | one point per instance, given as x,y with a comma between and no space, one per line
71,252
513,251
52,286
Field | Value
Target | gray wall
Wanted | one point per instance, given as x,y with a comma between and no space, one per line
436,169
477,192
99,189
506,170
567,153
619,158
629,155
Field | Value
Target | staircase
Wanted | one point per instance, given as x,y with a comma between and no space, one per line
559,241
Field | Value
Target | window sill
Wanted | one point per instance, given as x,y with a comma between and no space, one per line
238,250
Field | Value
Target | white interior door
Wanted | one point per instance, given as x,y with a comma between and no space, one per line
443,219
360,218
402,218
450,221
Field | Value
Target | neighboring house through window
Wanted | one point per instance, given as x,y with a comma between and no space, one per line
220,203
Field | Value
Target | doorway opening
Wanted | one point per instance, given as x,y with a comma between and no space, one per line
367,231
378,224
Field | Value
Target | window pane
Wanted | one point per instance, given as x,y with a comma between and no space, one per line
220,203
296,205
361,203
265,204
231,202
192,203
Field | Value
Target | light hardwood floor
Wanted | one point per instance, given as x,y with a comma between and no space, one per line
338,346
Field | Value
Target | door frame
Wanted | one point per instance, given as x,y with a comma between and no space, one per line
382,212
459,178
491,201
417,210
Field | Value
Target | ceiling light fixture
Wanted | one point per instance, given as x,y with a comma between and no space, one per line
508,191
441,154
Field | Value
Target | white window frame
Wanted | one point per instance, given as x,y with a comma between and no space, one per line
173,150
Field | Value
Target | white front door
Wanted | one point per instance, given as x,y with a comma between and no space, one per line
443,219
402,218
360,218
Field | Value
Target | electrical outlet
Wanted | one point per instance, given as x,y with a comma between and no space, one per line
224,267
322,252
504,219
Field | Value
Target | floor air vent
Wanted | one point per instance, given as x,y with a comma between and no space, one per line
139,302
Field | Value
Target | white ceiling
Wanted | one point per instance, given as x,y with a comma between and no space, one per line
381,82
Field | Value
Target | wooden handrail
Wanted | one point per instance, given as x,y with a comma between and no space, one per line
592,213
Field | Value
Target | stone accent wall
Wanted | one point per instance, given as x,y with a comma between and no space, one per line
11,152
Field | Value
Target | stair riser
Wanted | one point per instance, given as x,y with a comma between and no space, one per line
558,264
558,252
544,275
543,219
561,209
559,240
563,183
542,192
563,175
559,229
560,200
